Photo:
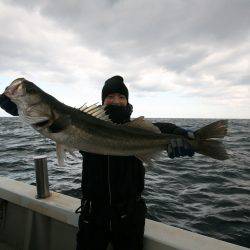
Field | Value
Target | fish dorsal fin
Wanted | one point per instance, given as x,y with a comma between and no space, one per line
95,110
141,123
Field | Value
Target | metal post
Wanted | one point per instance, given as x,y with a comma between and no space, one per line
42,181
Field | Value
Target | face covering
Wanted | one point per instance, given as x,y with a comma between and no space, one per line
119,114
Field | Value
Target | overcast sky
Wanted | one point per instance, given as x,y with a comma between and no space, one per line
179,58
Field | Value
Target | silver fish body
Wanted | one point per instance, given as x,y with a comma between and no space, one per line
89,129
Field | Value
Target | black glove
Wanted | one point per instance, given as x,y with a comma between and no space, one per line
7,105
179,147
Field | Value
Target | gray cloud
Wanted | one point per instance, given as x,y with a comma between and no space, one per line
194,47
173,35
245,80
145,26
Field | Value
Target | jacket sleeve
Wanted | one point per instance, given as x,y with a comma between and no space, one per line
170,128
7,105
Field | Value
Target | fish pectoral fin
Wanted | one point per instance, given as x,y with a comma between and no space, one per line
60,124
141,123
32,120
60,152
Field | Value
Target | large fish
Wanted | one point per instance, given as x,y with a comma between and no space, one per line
89,129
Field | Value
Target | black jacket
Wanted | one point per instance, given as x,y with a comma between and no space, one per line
115,179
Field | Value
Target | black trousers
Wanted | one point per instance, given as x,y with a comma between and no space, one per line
123,231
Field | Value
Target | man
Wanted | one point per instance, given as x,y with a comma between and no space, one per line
112,209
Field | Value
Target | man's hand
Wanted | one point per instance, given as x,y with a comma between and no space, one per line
7,105
179,147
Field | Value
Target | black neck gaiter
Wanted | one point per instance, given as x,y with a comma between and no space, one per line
119,114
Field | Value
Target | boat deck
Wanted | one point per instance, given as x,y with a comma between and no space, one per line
51,223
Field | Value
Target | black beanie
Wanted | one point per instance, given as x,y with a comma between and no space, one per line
114,84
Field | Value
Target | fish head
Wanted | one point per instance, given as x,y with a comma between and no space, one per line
21,90
29,99
15,90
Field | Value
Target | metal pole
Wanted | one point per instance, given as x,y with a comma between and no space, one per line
42,181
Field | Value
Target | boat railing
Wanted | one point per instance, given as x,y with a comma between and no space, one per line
27,222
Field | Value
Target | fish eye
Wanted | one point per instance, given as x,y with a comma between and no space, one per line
30,87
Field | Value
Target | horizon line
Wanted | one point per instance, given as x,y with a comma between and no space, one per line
221,118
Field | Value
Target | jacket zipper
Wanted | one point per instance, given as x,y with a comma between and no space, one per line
110,227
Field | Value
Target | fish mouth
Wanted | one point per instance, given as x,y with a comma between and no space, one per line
15,89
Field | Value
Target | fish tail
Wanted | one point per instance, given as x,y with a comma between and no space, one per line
209,147
212,148
216,129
